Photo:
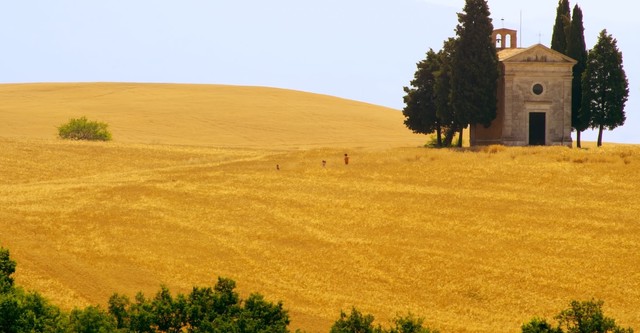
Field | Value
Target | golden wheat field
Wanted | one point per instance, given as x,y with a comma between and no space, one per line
471,240
212,115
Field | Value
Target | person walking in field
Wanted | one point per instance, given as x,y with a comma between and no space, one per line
346,159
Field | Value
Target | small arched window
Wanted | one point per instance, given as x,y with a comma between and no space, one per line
499,41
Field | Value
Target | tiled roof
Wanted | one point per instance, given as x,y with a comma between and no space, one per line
508,53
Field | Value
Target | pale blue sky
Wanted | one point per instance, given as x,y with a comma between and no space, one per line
358,49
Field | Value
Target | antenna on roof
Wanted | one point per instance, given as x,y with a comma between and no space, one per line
520,28
539,38
502,22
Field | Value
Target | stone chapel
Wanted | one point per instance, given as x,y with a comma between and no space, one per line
534,96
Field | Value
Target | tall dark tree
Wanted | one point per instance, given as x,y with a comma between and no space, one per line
474,72
444,110
577,50
420,111
561,28
605,88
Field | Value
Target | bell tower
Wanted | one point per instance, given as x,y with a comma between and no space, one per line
505,39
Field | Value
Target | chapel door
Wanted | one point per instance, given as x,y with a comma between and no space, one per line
537,128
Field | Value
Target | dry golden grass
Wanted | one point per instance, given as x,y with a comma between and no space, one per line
212,115
473,241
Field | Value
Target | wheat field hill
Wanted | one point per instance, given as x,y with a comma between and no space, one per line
471,240
211,115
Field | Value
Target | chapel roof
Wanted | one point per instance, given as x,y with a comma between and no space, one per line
534,53
508,53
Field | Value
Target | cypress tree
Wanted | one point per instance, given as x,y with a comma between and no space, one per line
605,88
443,92
577,50
474,72
561,27
420,111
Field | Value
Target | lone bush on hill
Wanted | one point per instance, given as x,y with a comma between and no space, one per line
83,129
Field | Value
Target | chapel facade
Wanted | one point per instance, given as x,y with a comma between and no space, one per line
534,96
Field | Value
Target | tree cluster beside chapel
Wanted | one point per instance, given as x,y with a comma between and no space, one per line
514,96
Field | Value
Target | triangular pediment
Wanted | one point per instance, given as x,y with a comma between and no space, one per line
535,53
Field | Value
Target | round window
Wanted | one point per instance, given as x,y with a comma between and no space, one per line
537,89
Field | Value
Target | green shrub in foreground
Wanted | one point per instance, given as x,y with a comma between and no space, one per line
580,317
83,129
220,310
357,322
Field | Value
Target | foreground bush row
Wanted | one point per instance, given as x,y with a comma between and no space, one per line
220,310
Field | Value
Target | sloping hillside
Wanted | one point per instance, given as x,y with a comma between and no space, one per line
211,115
